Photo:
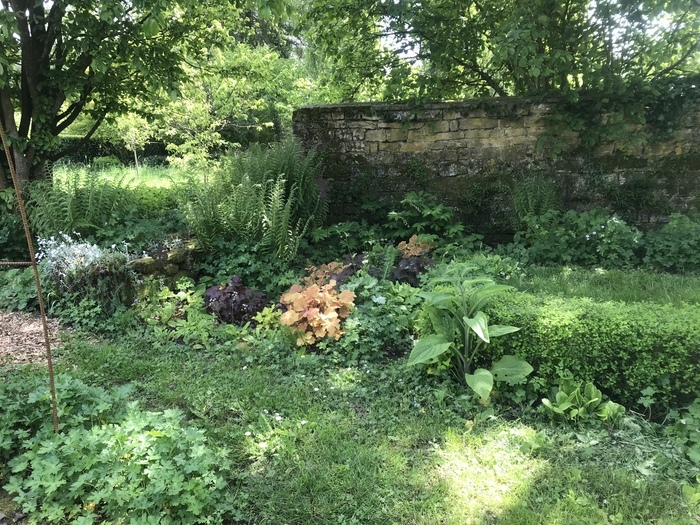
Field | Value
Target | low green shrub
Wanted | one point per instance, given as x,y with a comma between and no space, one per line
675,247
381,322
622,348
686,430
112,461
257,269
591,238
420,213
18,290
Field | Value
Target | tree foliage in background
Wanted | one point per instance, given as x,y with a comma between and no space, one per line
453,48
65,58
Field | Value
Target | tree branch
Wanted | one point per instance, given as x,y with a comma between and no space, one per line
75,147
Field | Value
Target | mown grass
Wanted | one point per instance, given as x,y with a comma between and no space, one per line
318,442
148,176
614,285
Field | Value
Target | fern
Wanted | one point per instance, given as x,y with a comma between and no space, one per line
266,195
83,203
534,197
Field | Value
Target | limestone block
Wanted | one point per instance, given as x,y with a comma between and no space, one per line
449,155
450,135
474,113
477,133
375,135
145,265
451,115
411,147
534,121
396,135
454,125
362,124
371,147
420,136
389,146
390,125
349,134
351,146
429,128
513,131
478,123
429,114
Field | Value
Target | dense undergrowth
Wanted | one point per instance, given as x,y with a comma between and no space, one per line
273,384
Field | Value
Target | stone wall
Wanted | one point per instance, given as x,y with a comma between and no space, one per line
476,154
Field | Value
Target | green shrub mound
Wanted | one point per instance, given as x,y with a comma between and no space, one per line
111,460
622,348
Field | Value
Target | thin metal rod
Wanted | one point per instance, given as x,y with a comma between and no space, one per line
32,257
7,263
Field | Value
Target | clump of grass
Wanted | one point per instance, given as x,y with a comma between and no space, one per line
629,286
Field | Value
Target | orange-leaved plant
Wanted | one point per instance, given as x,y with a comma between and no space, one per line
323,273
315,312
415,247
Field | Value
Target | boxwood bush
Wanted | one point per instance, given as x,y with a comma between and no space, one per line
622,348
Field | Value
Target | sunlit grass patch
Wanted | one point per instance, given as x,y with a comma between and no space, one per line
149,176
614,285
488,472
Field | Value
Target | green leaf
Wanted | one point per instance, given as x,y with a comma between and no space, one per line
480,325
483,294
442,323
481,382
428,348
150,27
498,330
510,369
438,300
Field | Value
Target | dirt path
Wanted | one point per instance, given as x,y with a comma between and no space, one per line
22,338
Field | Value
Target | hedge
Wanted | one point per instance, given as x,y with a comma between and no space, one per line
622,348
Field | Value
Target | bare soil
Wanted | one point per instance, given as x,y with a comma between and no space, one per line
22,338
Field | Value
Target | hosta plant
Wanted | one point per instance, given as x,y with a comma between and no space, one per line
315,312
577,402
460,328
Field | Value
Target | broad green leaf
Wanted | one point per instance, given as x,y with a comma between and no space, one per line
483,294
428,348
481,382
591,393
480,325
442,322
510,369
438,300
498,330
557,408
479,280
150,27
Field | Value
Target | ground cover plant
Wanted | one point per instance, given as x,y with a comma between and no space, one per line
300,405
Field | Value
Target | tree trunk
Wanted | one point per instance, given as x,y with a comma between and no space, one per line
23,168
4,179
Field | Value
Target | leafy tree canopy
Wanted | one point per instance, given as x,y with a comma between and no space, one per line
63,58
454,48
